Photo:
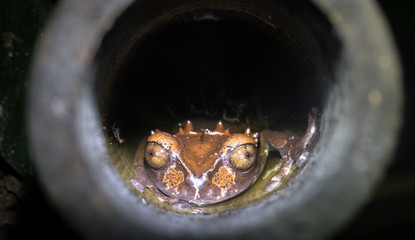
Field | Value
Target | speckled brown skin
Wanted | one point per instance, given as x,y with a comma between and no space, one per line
207,167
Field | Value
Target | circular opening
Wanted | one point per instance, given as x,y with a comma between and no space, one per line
261,66
299,64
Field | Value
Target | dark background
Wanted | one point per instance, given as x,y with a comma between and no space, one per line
390,213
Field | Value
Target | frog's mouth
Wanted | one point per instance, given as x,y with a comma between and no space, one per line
213,186
222,184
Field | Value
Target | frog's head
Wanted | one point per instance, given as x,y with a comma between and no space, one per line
202,167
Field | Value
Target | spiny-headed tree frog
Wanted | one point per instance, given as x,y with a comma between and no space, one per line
210,166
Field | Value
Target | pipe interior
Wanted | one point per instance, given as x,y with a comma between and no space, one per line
262,65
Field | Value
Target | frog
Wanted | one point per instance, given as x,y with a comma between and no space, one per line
203,167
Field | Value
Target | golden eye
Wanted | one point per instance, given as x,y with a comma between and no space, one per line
243,157
156,156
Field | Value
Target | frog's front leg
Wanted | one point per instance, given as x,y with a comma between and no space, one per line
286,166
291,148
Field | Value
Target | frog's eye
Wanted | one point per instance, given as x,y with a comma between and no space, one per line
156,156
243,157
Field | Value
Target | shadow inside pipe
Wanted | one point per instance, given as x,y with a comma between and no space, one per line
263,66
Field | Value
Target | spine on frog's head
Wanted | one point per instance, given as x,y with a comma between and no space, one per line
189,127
249,134
219,127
